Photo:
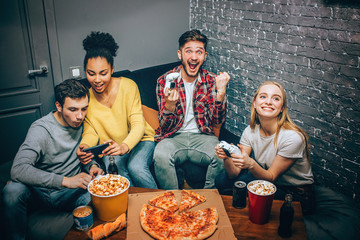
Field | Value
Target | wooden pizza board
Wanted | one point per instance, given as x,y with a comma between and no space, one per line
213,199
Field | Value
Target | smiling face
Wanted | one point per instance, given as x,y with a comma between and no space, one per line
269,101
192,56
98,73
73,111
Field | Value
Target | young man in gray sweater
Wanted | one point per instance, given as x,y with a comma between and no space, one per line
46,171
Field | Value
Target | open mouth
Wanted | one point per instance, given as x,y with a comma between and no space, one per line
193,66
267,108
98,87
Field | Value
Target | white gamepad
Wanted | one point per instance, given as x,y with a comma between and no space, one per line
229,149
170,80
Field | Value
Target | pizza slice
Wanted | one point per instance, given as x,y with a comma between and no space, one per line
190,199
202,223
156,222
166,201
181,230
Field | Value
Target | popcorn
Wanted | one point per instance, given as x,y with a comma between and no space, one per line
108,185
262,188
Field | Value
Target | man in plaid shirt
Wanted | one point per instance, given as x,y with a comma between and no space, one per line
187,115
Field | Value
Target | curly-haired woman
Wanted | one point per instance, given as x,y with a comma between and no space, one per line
115,115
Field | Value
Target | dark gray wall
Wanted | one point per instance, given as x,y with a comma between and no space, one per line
146,31
311,47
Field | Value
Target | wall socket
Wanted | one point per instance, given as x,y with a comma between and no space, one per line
75,72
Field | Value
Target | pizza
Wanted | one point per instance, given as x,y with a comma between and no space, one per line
165,201
190,199
161,223
155,221
201,222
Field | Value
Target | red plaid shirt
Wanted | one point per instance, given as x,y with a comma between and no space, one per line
207,111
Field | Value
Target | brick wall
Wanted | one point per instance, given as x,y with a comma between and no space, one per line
312,48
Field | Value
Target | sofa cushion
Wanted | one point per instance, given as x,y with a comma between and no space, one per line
151,116
146,79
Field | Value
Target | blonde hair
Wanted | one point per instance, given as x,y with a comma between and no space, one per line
283,121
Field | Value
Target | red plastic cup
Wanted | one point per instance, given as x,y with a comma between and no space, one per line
259,204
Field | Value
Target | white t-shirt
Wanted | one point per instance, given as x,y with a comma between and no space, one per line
289,145
189,124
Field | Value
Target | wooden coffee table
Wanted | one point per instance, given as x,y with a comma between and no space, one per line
239,218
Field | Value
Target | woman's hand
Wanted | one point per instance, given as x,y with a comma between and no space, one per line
243,161
219,152
230,168
115,148
84,157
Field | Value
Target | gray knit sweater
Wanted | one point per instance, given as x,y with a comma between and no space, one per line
47,154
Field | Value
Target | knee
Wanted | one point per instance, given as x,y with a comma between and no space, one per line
137,170
161,153
14,193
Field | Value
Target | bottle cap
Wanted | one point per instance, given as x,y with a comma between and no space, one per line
288,197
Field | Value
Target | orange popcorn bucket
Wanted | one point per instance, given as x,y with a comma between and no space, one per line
108,208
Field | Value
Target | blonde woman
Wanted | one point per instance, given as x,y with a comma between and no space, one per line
280,148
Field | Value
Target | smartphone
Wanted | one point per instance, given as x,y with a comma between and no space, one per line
96,150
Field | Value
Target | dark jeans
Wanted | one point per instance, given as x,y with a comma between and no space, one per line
18,198
225,185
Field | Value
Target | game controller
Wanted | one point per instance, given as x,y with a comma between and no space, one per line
228,148
170,81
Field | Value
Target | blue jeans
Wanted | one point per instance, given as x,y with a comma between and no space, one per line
174,151
19,198
135,165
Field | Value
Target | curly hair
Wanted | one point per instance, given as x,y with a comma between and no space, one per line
100,44
70,88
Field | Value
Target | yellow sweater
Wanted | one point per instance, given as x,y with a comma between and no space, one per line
123,122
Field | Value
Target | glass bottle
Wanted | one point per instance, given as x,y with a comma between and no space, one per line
286,217
112,169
